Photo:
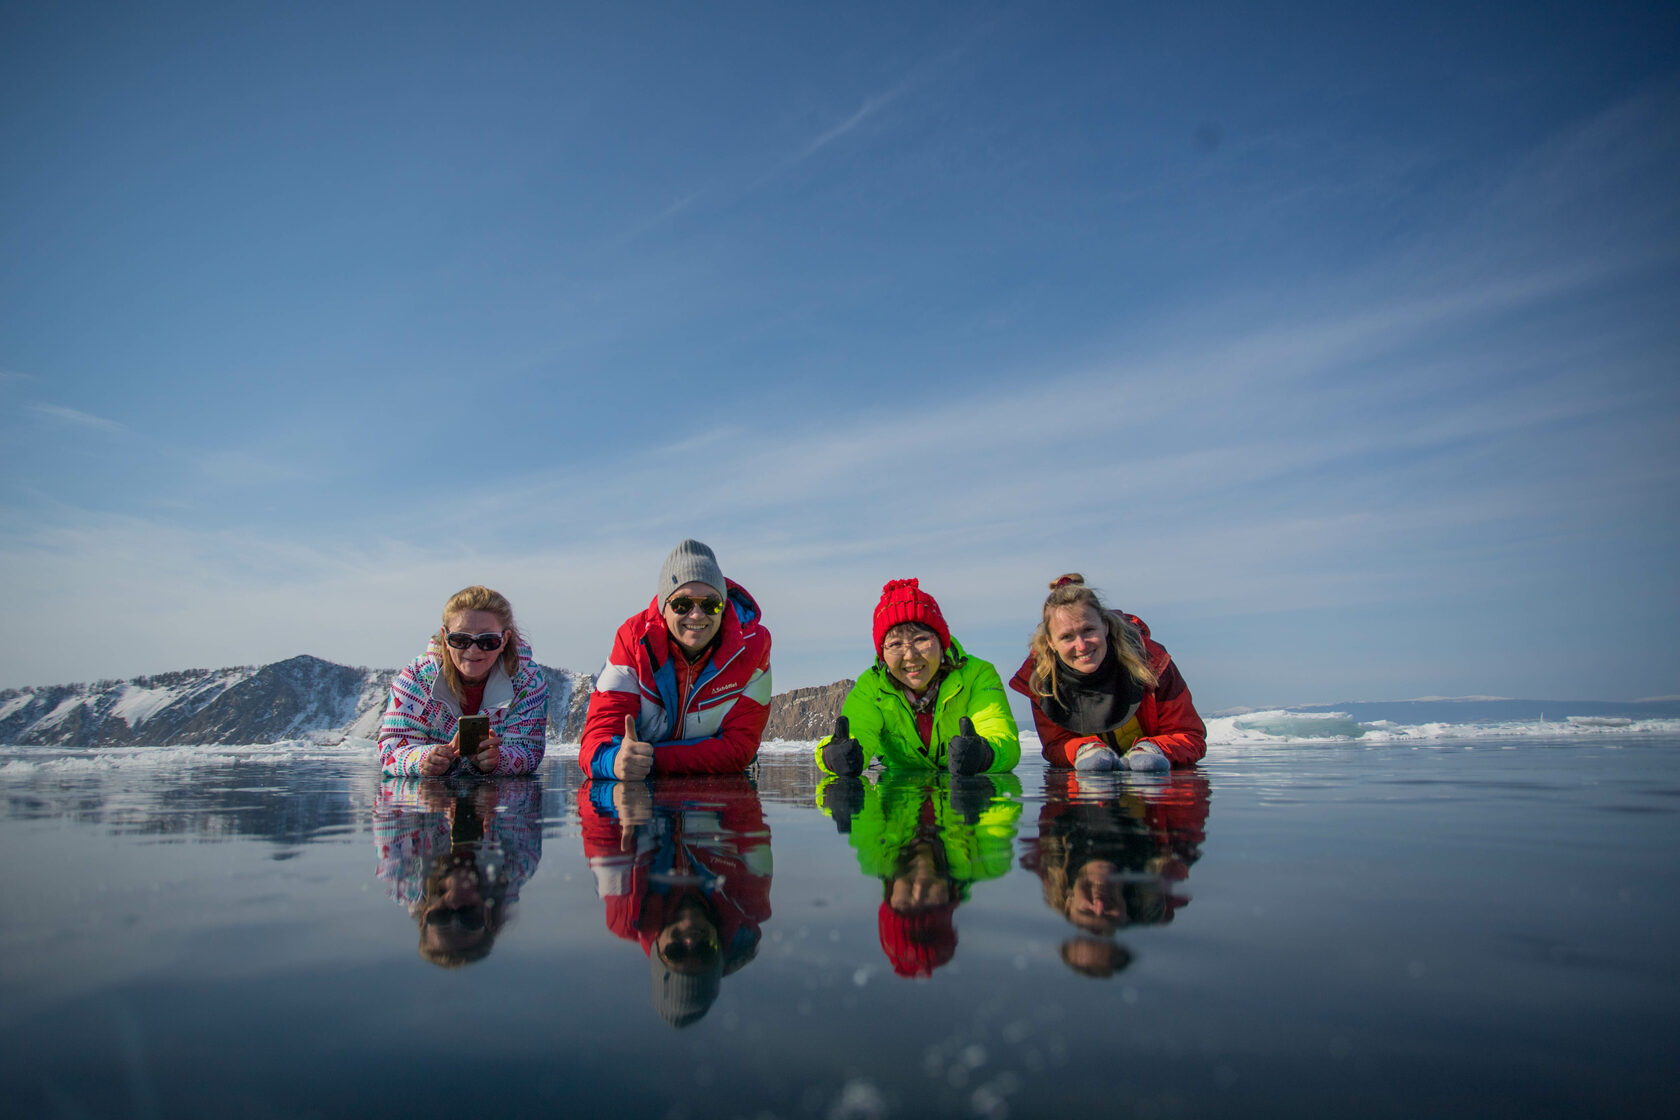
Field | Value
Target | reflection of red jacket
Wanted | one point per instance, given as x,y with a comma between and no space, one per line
706,842
707,719
1166,716
1164,817
1153,830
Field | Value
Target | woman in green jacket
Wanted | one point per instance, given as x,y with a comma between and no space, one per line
925,704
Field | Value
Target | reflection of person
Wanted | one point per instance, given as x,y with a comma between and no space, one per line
684,871
925,704
475,663
686,689
1105,695
928,837
455,856
1109,856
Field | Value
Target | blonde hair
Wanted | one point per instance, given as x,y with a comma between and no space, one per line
1127,640
477,598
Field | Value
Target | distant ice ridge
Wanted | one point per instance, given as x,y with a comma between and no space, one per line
1283,725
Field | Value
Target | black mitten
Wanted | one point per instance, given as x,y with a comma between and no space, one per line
843,800
967,752
843,755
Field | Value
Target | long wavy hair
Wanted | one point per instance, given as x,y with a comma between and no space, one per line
1070,591
477,598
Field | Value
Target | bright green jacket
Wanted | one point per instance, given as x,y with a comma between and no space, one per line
977,847
881,719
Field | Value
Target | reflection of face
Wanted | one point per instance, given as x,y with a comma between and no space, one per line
457,918
689,945
474,663
1094,900
911,654
920,887
693,630
1079,637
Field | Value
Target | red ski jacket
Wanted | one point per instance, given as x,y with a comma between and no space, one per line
1166,716
706,841
702,719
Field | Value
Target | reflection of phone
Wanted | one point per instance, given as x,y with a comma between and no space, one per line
473,729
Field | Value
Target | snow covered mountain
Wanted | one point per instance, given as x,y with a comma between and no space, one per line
301,697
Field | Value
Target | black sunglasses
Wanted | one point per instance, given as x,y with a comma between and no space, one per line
470,918
490,641
711,604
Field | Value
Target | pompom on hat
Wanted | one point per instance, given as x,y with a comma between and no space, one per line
918,942
903,600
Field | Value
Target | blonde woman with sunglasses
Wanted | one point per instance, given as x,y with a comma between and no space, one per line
686,689
476,664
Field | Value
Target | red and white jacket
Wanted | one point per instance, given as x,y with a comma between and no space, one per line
706,718
1165,717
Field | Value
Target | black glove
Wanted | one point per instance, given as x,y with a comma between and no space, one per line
967,753
971,795
843,799
843,755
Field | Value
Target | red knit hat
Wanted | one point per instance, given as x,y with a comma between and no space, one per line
920,941
903,600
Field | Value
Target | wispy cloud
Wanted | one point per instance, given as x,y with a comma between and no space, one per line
77,417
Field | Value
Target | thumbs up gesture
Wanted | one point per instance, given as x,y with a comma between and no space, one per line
635,758
967,752
842,754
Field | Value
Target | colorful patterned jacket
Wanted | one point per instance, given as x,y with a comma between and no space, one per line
422,712
1165,717
708,724
881,720
411,830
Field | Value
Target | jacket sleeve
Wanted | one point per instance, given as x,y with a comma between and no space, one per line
1173,725
523,724
404,733
863,723
1058,745
988,707
736,743
616,695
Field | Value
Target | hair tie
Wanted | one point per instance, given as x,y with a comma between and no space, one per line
1061,583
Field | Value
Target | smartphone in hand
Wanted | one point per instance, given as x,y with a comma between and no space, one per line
472,730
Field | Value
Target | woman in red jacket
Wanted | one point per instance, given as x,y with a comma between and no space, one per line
1105,695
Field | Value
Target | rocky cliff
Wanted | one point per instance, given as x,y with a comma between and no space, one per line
806,713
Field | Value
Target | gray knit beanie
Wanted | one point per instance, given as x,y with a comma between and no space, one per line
690,562
679,999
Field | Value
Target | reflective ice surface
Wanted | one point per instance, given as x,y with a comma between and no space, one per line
1450,929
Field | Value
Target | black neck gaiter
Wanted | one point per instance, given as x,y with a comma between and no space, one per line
1094,702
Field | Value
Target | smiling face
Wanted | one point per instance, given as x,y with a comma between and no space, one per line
692,631
1079,635
1095,903
911,653
473,663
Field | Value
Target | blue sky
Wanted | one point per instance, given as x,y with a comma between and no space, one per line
1336,341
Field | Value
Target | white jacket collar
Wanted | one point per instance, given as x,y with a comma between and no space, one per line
498,690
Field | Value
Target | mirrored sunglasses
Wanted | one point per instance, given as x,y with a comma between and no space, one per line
711,604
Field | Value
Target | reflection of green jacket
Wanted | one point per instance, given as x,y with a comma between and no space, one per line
881,719
904,808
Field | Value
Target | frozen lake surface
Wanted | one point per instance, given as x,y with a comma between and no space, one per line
1456,928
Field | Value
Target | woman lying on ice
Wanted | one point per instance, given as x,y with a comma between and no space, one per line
925,704
475,664
686,689
1105,695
